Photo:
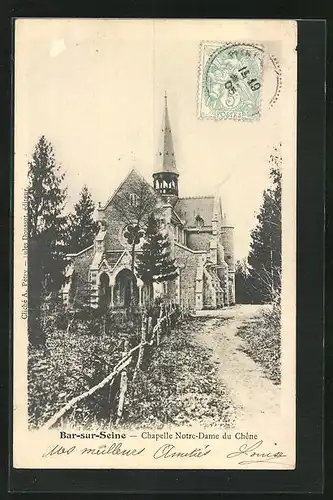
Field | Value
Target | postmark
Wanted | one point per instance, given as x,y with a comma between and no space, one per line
231,80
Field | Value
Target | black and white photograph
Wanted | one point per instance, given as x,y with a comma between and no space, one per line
154,244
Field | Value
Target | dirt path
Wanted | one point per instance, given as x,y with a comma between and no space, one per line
254,395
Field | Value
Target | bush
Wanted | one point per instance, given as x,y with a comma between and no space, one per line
73,360
263,340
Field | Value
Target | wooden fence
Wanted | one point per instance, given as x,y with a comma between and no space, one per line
150,336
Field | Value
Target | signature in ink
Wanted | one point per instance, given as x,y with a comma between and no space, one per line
253,456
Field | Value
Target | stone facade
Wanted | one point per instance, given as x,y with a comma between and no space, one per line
201,241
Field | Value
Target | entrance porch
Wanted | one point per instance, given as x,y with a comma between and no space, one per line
116,293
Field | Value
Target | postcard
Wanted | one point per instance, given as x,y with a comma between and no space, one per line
154,317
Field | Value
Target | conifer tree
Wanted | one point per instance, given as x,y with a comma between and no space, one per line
242,282
82,227
154,263
265,253
46,232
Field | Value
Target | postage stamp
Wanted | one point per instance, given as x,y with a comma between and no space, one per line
230,80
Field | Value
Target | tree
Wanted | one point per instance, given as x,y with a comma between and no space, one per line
82,227
46,232
265,253
242,282
134,211
154,263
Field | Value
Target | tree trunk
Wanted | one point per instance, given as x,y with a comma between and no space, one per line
35,330
158,332
35,298
151,293
132,287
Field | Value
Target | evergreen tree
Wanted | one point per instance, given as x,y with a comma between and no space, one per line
265,253
242,282
82,227
155,263
46,232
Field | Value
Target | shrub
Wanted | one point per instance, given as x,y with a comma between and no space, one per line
263,340
73,360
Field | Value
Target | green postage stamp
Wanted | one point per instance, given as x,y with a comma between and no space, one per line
230,80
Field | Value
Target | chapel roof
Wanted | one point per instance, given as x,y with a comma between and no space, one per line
189,208
132,177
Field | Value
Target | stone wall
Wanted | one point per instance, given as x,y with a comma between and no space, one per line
187,262
199,240
228,244
80,278
114,218
114,223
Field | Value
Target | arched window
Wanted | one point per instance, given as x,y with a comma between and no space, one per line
134,199
104,290
199,222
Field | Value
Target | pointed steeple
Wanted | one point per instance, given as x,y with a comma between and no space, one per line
165,174
166,161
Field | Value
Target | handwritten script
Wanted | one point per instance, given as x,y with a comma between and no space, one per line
250,451
246,454
117,449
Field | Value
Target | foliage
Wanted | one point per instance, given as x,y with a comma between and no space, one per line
178,386
82,228
46,231
154,263
242,283
73,360
263,340
265,254
172,386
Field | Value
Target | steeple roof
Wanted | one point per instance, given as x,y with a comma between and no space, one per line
165,161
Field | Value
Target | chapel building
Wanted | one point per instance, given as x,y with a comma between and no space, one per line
201,241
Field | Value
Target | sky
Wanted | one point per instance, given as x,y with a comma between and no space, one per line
95,89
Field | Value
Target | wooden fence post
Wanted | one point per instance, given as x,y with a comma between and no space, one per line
164,321
143,340
122,387
169,319
158,331
149,327
70,321
173,316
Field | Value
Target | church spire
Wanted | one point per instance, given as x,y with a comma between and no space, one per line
165,173
166,161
